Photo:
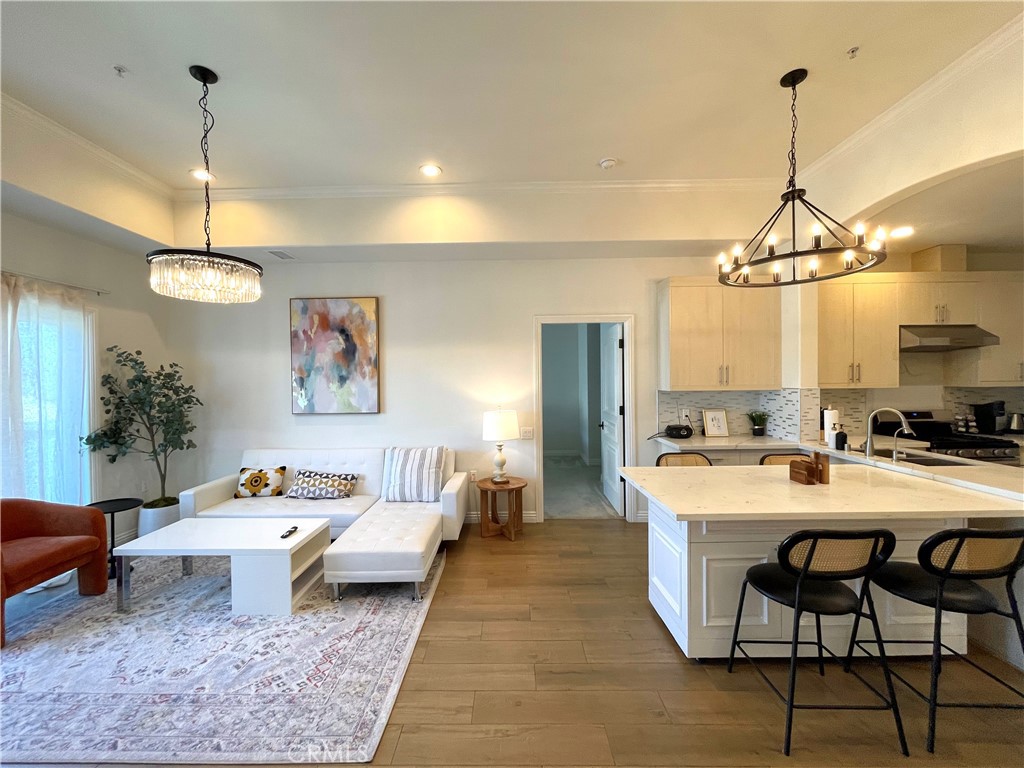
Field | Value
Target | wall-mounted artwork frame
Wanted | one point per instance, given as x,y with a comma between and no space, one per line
334,355
715,422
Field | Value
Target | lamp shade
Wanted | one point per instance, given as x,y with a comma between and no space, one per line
501,425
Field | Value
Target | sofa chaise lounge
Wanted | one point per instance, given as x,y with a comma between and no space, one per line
375,540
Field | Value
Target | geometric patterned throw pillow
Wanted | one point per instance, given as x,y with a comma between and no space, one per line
310,484
259,482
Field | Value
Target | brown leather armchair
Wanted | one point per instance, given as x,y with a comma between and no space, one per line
41,539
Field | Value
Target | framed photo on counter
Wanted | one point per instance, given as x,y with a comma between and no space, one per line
715,423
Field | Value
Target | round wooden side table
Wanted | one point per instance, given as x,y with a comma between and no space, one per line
490,525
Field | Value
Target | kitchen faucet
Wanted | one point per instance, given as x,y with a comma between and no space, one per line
869,444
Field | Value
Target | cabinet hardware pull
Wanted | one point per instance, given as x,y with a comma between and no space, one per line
727,375
850,379
721,378
858,373
936,313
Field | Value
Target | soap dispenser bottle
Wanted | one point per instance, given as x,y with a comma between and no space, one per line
840,439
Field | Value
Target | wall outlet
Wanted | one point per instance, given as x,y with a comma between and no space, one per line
684,414
526,433
472,475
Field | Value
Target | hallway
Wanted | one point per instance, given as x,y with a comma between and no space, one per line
572,490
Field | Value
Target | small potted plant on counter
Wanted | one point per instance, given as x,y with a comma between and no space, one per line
758,420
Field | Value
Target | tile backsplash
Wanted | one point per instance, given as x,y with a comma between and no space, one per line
795,413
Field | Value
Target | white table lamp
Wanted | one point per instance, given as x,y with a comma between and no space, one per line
499,426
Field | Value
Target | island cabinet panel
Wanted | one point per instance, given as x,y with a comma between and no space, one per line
696,569
712,337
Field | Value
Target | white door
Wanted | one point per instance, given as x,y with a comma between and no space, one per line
611,420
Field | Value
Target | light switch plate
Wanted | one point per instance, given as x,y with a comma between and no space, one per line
526,433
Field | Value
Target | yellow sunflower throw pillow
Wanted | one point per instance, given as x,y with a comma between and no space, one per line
259,482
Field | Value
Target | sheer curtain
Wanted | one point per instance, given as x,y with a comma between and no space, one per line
44,375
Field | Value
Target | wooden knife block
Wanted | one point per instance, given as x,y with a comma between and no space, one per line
814,469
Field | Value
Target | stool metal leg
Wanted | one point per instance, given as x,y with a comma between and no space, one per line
853,634
736,627
933,694
888,677
792,681
821,652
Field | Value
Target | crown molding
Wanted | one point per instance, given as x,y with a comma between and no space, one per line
475,189
1011,33
14,109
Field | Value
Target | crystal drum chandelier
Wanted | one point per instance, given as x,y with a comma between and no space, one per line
845,252
204,275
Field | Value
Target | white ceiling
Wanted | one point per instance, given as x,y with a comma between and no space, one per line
327,94
360,93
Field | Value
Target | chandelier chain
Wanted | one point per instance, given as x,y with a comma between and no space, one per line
204,144
791,184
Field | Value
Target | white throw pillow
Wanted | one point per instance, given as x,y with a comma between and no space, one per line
413,474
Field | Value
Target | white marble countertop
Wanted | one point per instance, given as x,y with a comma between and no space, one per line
855,492
999,479
742,442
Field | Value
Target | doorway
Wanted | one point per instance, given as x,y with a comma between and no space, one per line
582,417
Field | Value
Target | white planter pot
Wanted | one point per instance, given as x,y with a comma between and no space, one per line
154,518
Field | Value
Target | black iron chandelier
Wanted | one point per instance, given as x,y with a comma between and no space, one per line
205,276
845,253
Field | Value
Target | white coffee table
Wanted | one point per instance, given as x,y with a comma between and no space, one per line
269,575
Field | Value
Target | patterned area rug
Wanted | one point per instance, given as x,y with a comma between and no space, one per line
182,680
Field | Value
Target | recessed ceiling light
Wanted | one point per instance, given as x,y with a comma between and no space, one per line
608,163
202,174
902,232
430,170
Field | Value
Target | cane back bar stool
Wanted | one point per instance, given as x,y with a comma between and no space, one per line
773,459
683,459
950,563
809,579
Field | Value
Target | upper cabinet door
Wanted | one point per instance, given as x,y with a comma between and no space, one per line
1002,313
752,337
694,343
835,335
876,335
938,303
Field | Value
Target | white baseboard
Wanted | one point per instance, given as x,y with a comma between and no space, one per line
123,537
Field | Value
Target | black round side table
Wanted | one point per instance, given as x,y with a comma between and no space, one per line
112,507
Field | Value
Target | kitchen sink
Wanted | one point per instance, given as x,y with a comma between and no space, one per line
932,461
924,461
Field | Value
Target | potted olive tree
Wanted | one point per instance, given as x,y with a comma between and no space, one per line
147,412
758,421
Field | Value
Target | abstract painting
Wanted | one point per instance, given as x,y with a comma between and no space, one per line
334,356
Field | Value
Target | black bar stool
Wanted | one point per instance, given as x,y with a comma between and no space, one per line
950,561
808,578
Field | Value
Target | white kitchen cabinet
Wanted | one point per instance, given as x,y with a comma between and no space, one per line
939,303
858,335
714,337
1002,313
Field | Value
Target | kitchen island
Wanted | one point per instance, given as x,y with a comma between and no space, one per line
707,525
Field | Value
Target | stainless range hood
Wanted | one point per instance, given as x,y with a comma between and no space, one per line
944,338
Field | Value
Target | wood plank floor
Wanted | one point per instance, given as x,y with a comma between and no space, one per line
545,652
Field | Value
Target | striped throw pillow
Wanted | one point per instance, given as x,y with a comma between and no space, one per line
414,474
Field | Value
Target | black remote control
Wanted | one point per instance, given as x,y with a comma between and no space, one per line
289,532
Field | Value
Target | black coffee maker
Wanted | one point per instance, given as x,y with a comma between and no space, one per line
991,417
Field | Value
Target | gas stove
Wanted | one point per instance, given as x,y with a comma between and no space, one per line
938,430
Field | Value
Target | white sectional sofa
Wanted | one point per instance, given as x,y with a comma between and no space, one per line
216,498
374,540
